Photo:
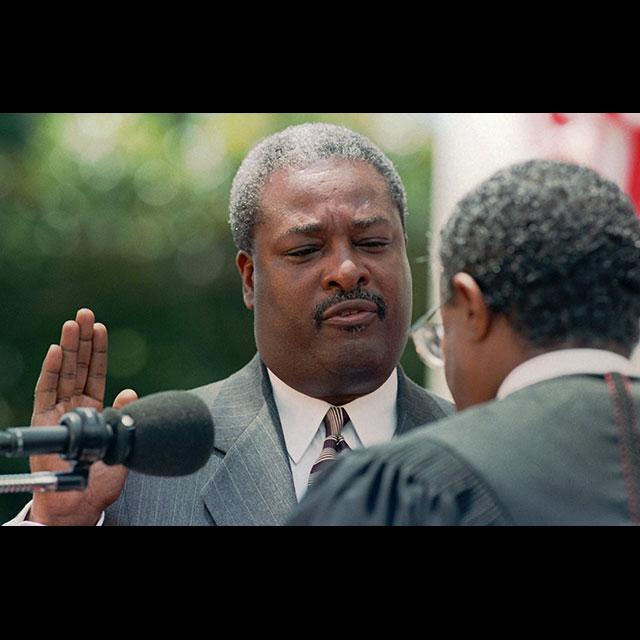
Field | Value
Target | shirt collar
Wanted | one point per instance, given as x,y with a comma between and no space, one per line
373,416
565,362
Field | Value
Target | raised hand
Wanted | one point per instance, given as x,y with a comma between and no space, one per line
74,375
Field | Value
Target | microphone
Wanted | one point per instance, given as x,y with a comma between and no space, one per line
163,434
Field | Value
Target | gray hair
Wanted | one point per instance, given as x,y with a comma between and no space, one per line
300,146
555,248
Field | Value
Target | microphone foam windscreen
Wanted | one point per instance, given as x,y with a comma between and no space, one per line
173,434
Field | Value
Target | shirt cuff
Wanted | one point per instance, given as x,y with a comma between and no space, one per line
21,521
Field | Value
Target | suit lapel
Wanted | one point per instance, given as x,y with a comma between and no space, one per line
252,483
416,407
405,420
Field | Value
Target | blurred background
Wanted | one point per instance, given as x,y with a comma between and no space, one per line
127,214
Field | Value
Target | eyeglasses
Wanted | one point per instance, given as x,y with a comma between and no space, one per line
427,334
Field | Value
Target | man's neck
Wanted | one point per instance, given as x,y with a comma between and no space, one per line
334,397
338,393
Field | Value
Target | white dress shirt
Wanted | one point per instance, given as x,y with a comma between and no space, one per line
565,362
372,420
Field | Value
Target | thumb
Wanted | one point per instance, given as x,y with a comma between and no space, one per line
124,398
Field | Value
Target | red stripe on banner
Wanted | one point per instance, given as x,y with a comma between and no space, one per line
616,118
559,118
634,170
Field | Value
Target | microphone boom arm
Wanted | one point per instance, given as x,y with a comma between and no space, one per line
74,480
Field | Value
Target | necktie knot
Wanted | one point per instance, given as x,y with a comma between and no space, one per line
335,419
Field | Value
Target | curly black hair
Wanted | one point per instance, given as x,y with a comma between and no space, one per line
556,249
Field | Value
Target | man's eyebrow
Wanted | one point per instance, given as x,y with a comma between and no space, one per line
316,227
365,223
311,227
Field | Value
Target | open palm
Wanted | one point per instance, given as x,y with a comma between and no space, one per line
74,375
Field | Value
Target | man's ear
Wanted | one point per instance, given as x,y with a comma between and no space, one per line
476,314
244,262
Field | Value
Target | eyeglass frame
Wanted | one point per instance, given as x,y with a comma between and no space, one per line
427,338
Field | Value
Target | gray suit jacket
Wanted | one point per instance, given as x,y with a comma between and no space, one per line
248,479
561,452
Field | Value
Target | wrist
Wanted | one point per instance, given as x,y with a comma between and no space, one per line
45,517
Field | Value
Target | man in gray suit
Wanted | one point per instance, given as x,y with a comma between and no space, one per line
541,311
317,213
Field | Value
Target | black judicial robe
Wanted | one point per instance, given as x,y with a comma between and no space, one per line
561,452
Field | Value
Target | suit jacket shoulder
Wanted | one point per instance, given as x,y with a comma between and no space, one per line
247,479
553,452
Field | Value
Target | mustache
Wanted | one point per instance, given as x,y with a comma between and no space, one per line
355,294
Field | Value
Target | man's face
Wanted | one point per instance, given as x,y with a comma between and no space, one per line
329,279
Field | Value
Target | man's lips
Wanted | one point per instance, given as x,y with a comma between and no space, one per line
350,313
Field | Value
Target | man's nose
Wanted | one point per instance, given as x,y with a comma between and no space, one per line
347,273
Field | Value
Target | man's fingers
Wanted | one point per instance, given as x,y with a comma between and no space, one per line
69,342
124,398
46,392
97,374
85,320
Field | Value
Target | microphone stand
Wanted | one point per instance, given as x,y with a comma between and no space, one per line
74,480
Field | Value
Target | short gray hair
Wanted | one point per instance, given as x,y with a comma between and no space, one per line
300,146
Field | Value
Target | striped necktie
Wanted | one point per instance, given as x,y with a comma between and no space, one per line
334,443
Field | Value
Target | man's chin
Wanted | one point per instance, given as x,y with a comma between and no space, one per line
359,358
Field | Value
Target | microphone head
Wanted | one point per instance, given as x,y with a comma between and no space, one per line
172,434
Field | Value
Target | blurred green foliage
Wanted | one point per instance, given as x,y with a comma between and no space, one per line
127,214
